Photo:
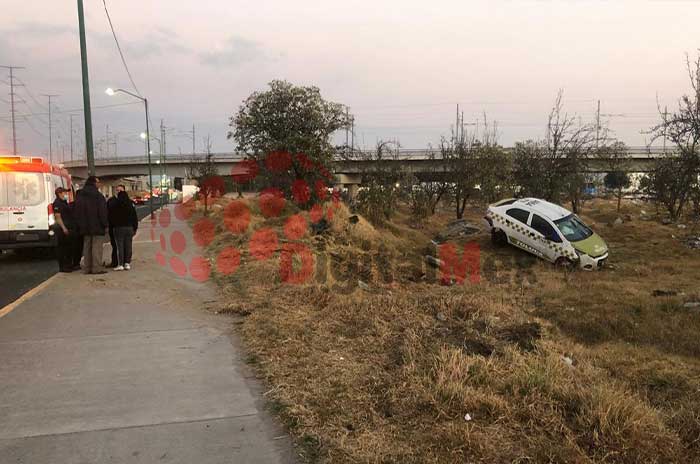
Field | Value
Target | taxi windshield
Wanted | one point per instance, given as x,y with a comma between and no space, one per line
573,228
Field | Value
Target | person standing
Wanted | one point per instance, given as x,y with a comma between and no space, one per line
65,230
124,221
110,204
91,215
77,240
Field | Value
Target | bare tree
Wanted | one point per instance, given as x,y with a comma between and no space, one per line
206,173
674,179
558,164
425,193
381,181
476,165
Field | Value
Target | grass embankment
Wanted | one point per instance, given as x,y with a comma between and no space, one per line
550,366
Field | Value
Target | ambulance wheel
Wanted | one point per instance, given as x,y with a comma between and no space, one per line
499,238
563,262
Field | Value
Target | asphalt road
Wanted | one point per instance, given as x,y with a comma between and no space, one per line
21,273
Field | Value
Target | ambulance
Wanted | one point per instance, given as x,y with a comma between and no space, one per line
546,230
27,187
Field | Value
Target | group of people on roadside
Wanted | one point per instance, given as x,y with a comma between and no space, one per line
83,225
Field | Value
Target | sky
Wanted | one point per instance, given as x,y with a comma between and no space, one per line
401,66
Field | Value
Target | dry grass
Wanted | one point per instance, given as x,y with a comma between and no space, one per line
550,367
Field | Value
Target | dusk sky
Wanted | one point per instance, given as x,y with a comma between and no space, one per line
401,66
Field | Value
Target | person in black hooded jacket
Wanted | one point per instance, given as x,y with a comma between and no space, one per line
125,223
112,242
91,215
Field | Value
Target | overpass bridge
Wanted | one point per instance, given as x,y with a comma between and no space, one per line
424,164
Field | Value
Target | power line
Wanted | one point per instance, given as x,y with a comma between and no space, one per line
464,102
31,94
114,34
33,128
31,111
78,110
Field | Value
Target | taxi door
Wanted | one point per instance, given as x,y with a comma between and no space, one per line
519,232
546,238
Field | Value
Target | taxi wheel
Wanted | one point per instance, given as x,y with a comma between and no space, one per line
564,263
499,238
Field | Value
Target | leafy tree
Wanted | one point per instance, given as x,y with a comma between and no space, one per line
477,167
616,181
494,166
287,130
535,173
462,173
614,155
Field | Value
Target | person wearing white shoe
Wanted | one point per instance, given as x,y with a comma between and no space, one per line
123,220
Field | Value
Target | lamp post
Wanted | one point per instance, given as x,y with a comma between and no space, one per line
111,92
161,163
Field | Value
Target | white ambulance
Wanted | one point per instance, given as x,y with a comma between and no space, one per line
27,187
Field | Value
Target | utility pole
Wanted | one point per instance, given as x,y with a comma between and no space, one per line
71,137
193,141
89,153
597,125
162,154
50,96
12,105
347,116
665,119
107,143
457,126
352,136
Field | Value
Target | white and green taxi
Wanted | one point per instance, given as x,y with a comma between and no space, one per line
546,230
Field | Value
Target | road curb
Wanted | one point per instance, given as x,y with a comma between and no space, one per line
27,296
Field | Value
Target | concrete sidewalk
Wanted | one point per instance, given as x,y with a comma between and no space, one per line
127,367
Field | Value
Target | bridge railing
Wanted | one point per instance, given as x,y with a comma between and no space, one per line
357,155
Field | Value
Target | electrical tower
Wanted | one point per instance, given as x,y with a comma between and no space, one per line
12,106
50,96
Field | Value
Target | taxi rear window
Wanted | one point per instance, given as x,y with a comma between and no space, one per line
25,188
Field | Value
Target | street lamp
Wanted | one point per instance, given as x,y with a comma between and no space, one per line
147,136
160,162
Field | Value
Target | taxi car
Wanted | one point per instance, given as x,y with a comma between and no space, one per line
546,230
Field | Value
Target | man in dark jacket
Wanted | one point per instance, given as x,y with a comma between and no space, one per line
91,215
65,229
110,204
